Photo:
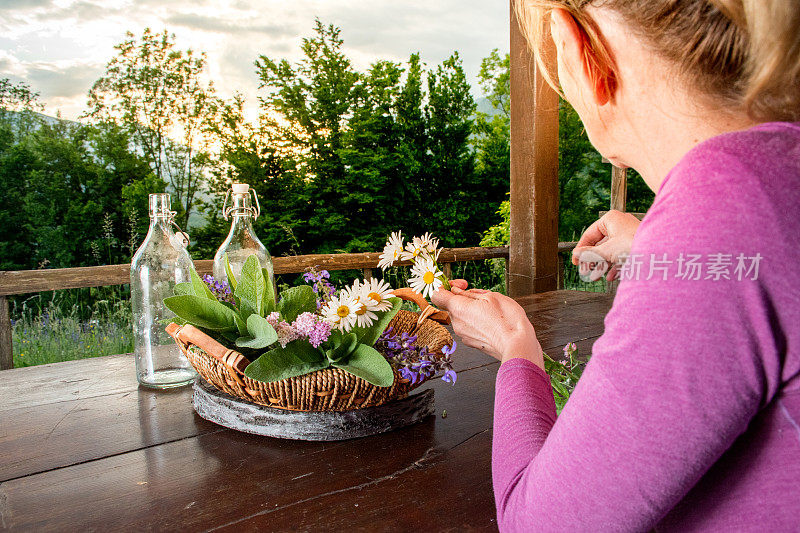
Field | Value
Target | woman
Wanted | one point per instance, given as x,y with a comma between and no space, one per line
688,415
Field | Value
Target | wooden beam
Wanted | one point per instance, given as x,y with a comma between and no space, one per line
640,216
619,188
29,281
6,348
533,257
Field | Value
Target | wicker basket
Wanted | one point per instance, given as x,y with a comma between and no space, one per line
331,389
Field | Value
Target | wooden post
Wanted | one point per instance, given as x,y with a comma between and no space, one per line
6,349
533,250
619,188
367,274
447,270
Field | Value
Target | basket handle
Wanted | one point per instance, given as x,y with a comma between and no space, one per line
427,310
188,334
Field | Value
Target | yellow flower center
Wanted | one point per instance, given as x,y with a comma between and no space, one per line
375,296
428,278
362,310
343,311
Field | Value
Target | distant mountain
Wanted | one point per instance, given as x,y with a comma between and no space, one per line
484,106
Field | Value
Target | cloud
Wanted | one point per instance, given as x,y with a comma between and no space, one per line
11,5
59,47
236,27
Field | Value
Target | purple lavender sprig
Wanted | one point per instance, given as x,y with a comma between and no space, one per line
322,287
219,289
413,362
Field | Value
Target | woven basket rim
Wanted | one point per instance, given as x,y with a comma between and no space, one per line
331,388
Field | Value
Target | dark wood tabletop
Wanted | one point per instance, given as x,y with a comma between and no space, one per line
84,448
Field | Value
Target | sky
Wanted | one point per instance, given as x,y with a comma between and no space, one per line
60,47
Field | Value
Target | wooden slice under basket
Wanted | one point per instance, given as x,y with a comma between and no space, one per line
331,389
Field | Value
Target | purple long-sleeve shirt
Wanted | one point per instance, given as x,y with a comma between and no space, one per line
688,415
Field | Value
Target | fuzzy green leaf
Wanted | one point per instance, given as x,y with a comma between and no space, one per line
200,288
204,313
268,304
295,301
341,347
182,289
262,334
370,335
229,273
296,359
367,363
250,288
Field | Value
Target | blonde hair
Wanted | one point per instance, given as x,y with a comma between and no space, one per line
746,52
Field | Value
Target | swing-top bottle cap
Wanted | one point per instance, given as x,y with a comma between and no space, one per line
240,188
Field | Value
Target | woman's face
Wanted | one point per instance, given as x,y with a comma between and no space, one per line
606,117
599,111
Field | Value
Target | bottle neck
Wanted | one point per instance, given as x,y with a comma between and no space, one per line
161,222
241,221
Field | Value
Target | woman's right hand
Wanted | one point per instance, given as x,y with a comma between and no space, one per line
610,237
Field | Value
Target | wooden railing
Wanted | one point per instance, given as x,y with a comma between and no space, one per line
33,281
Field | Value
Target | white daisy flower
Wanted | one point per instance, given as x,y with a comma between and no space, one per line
425,277
430,244
341,312
364,312
364,317
413,250
392,250
375,294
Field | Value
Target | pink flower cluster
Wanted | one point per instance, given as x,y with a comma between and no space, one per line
306,326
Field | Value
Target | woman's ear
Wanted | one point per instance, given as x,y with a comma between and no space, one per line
576,59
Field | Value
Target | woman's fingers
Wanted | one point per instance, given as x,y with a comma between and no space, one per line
460,283
593,235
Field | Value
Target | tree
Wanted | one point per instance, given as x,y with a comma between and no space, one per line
156,92
314,101
251,153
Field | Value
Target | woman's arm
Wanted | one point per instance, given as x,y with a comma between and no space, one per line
675,379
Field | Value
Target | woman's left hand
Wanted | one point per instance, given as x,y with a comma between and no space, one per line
490,322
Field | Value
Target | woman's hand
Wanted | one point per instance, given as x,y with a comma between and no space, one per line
490,322
610,238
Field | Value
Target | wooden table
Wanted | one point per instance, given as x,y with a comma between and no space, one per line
84,448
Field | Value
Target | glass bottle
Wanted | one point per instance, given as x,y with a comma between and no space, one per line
242,241
159,263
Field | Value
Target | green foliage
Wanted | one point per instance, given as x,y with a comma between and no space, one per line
261,333
63,327
367,363
564,376
369,336
253,290
204,313
296,359
156,93
296,301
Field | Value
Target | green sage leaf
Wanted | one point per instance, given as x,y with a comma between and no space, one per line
229,273
268,304
184,288
262,334
367,363
296,301
200,288
250,288
342,347
204,313
296,359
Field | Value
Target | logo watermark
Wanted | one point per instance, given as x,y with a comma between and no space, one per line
684,266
